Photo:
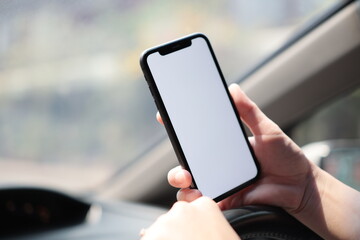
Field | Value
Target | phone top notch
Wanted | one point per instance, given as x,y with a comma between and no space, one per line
175,46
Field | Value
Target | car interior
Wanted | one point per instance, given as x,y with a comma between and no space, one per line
308,85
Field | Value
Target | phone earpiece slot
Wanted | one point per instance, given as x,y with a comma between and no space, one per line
175,47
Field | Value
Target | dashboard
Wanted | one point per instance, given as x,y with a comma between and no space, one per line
38,214
35,213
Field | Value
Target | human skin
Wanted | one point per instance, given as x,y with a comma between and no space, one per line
287,180
201,219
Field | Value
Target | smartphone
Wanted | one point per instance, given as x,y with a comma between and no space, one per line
199,115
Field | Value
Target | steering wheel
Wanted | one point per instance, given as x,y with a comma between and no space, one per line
267,223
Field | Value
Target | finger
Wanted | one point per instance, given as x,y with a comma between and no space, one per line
231,202
179,177
238,199
158,118
188,195
250,113
251,141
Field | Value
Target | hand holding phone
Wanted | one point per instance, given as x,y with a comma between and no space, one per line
199,115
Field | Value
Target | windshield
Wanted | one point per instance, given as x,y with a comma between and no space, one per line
74,106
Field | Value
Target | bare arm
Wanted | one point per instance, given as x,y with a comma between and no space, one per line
330,208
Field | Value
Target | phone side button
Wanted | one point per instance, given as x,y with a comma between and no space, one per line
151,91
157,105
146,80
152,94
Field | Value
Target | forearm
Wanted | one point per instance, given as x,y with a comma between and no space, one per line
330,208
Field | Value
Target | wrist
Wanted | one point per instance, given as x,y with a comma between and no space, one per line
310,209
329,207
309,198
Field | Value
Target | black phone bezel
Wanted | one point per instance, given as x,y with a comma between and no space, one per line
168,48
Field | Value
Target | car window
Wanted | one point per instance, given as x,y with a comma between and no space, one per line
74,106
339,119
331,138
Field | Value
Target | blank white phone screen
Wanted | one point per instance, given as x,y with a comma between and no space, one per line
203,118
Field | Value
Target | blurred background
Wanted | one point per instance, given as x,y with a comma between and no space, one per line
74,107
